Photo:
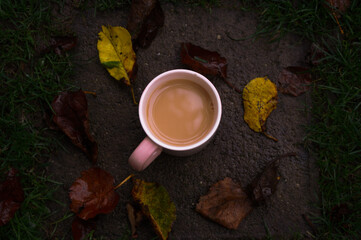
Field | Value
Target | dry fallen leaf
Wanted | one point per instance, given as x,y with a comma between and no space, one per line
81,229
156,205
11,196
59,45
135,217
71,116
294,80
116,53
145,18
203,61
226,203
259,100
265,183
93,193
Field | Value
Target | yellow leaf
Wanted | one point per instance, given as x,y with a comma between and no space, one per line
259,100
156,205
116,52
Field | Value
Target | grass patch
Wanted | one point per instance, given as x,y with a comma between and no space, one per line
29,82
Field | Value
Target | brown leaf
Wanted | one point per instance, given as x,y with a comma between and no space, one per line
81,228
93,193
226,203
71,116
145,18
265,184
11,196
60,45
294,80
203,61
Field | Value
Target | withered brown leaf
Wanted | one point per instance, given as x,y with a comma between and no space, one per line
93,193
144,21
60,45
81,228
71,116
294,80
226,203
265,183
11,196
203,61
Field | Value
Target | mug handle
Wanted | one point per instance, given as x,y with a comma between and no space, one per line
144,154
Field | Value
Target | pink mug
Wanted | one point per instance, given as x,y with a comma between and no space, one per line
152,146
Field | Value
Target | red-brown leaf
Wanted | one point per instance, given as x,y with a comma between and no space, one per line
71,116
226,203
203,61
93,193
11,196
81,228
294,80
145,18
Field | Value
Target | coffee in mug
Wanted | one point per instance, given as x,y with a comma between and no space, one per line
180,112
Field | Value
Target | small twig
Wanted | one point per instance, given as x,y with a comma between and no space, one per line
120,184
92,93
338,23
312,226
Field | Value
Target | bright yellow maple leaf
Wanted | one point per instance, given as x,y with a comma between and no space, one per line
116,52
259,100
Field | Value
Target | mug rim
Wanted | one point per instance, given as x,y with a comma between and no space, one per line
143,121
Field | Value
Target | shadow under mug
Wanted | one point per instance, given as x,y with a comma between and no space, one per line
151,147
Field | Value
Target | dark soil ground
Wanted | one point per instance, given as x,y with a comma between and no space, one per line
236,151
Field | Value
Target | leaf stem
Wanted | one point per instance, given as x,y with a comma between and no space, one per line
132,91
270,137
232,86
120,184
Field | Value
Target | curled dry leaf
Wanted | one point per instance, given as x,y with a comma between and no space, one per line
203,61
116,53
265,183
81,229
135,217
144,21
294,80
259,100
60,45
11,196
156,205
71,116
131,218
93,193
226,203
